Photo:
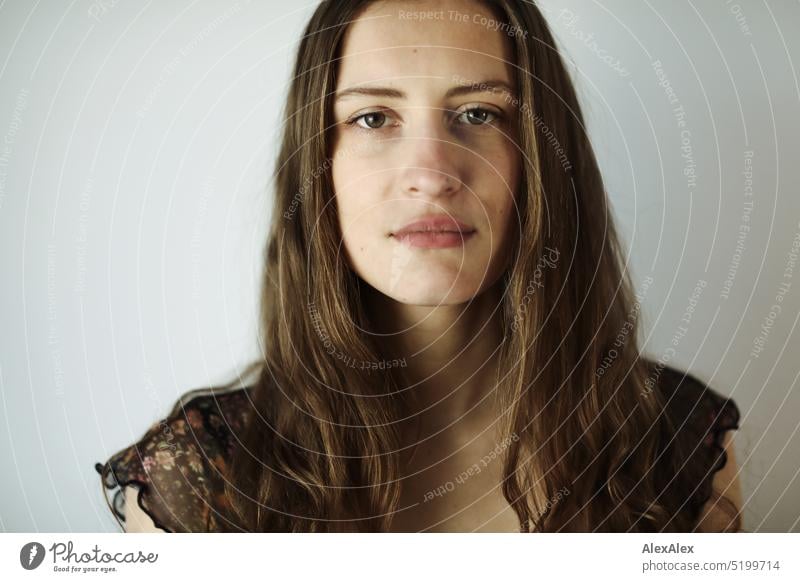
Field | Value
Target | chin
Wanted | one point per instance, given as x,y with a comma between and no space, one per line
427,294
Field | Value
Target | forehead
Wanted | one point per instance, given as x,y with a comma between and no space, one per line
391,40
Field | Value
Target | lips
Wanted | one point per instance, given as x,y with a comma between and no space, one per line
434,231
435,224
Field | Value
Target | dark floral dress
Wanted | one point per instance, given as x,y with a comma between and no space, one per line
180,464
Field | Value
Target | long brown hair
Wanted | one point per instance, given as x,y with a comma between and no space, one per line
320,449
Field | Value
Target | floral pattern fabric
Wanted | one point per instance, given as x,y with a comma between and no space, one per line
180,463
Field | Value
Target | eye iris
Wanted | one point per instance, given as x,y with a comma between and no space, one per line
479,114
371,121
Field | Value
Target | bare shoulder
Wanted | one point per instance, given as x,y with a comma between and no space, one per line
136,520
714,516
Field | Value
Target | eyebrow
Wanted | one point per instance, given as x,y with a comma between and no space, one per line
489,86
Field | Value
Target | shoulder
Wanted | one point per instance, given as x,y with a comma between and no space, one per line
136,519
699,448
716,513
176,471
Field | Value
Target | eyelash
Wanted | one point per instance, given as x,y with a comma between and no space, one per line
353,120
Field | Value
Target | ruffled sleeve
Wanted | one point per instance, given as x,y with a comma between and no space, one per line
178,465
700,417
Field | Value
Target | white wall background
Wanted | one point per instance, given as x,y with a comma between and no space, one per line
137,142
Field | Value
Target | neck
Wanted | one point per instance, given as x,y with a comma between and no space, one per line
452,353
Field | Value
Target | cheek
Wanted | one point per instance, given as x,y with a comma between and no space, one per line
500,183
359,208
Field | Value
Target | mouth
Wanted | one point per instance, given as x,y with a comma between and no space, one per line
434,231
435,223
433,239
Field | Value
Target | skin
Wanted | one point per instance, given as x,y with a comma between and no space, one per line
713,518
136,520
417,153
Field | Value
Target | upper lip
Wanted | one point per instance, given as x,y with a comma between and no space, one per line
435,223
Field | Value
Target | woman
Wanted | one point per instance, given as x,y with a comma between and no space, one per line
449,337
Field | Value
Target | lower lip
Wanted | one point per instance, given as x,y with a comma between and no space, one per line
434,240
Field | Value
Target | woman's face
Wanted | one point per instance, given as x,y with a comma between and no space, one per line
424,137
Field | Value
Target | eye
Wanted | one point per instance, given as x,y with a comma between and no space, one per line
372,119
479,116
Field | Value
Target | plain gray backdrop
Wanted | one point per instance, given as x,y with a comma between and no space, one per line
136,143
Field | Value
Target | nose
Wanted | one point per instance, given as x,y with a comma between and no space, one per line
431,165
